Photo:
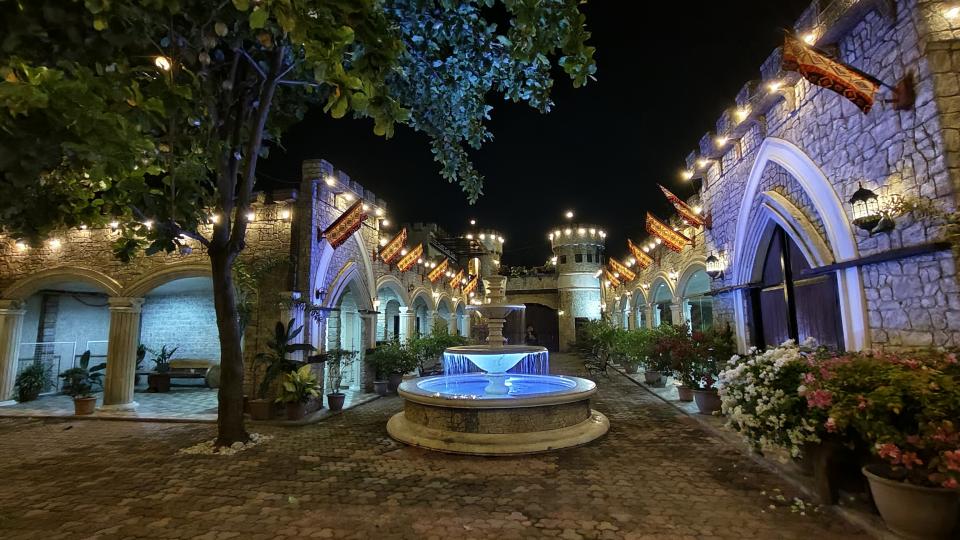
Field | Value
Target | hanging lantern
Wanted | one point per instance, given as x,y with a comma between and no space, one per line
866,209
714,266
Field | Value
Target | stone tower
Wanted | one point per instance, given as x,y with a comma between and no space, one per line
492,242
578,251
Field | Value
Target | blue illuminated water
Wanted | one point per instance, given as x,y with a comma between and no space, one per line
473,386
534,363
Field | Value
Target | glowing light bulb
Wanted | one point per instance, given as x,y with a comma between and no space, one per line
83,227
721,141
469,237
810,38
379,212
365,207
330,181
703,162
593,231
658,241
569,214
348,197
148,224
775,86
500,239
403,251
697,210
742,114
162,62
483,236
581,231
646,249
114,225
550,236
383,242
284,214
55,243
567,232
385,222
952,12
215,218
251,216
473,222
22,246
419,261
686,174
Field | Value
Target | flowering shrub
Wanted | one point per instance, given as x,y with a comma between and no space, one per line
760,398
904,407
693,358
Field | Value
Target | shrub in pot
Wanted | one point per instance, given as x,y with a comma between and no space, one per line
274,362
905,408
426,352
79,383
297,389
32,380
390,360
159,380
338,360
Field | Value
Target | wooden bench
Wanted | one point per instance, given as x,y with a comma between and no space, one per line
184,368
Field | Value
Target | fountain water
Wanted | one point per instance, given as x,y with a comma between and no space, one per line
497,398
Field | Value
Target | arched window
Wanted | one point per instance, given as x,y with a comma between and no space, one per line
791,302
662,299
697,304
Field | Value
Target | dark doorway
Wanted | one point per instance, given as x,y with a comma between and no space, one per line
787,305
543,319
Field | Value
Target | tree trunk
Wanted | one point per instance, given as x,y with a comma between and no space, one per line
230,428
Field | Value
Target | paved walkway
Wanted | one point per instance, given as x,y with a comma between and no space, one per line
656,474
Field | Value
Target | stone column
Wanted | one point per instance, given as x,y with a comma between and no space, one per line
431,319
122,353
407,324
676,313
452,324
11,325
650,310
368,334
465,325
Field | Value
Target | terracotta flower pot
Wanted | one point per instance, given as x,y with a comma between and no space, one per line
335,401
651,377
395,380
684,393
915,511
27,394
381,387
260,409
159,382
708,401
84,405
296,410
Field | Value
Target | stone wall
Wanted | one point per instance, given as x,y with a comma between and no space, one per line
187,321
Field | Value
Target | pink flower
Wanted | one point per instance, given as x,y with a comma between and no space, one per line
952,359
951,483
952,460
862,403
910,459
831,425
889,451
808,378
819,399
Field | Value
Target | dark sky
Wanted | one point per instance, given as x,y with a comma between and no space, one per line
663,80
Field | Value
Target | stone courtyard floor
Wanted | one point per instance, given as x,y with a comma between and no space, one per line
656,474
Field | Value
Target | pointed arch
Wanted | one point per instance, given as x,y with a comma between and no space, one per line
393,283
697,263
155,278
27,286
754,224
349,275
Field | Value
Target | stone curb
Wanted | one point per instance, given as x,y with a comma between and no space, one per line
872,525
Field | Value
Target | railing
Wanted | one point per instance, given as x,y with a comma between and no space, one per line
57,356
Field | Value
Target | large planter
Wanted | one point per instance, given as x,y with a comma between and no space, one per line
916,512
708,401
84,405
395,380
335,401
684,393
260,409
381,387
296,410
652,377
27,394
833,466
158,382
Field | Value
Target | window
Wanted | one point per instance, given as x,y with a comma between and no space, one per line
589,257
563,259
578,257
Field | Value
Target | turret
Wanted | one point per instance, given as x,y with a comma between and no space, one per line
578,253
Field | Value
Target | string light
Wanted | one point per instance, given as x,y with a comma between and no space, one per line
284,214
703,162
385,222
379,212
83,226
383,242
581,231
593,231
251,216
365,207
742,114
348,197
148,224
215,218
775,86
114,225
162,62
473,222
721,141
403,251
22,246
686,174
567,232
483,236
330,181
55,243
569,214
469,237
810,38
952,12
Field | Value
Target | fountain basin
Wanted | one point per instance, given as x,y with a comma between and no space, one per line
495,359
454,414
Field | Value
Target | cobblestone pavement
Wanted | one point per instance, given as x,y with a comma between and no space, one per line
656,474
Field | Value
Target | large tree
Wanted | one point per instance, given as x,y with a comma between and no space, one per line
154,113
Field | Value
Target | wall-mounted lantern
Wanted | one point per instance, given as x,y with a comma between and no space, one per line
714,266
869,213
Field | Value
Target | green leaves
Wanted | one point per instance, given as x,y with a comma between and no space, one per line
258,19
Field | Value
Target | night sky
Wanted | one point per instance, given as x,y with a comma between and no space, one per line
663,81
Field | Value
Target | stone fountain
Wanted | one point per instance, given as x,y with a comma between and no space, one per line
497,398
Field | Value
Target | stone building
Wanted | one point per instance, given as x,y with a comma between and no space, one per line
72,294
776,177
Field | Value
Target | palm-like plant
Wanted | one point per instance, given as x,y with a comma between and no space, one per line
80,380
274,359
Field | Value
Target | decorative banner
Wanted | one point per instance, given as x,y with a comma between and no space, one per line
671,238
611,278
345,225
455,282
410,258
392,250
821,70
471,285
622,269
437,272
643,260
683,209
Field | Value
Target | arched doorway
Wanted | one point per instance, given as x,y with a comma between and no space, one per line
421,309
639,303
697,302
788,305
544,320
662,303
391,297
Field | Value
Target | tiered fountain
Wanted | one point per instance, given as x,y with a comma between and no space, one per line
497,398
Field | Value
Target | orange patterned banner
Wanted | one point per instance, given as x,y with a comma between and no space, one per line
437,272
611,278
471,285
622,269
455,282
392,250
643,260
683,209
410,258
821,70
671,238
345,225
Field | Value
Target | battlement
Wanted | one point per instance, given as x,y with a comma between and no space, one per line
573,234
316,170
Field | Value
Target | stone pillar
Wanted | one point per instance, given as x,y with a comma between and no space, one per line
368,333
452,324
676,313
407,324
650,310
122,353
383,328
11,325
431,319
465,325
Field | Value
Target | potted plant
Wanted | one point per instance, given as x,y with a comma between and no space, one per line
905,408
390,360
159,379
337,361
297,389
31,381
275,362
79,381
